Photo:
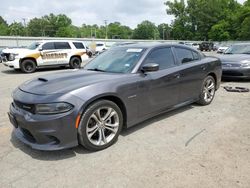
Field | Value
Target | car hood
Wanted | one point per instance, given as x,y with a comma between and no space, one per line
15,50
225,58
67,81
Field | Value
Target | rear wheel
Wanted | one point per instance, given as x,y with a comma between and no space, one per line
207,91
100,125
28,66
75,63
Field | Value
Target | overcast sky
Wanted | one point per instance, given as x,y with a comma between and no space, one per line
127,12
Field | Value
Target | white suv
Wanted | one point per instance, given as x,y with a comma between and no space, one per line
46,53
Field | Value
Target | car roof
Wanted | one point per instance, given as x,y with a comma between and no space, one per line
42,41
150,45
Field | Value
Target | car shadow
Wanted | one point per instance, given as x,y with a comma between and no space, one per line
156,118
69,153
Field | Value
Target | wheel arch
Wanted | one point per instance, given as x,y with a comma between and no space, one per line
78,56
113,98
25,58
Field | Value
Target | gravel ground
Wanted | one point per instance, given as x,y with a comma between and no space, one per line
190,147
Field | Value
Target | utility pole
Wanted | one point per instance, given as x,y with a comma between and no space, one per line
106,32
163,29
24,24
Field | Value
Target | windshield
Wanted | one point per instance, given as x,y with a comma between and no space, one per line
117,60
34,45
238,49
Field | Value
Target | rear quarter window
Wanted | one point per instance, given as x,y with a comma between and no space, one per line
79,45
184,55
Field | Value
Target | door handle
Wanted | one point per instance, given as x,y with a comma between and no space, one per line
203,67
177,76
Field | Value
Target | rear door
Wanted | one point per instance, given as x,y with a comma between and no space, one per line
63,51
192,73
159,90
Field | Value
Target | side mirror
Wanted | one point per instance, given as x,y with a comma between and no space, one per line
150,67
40,49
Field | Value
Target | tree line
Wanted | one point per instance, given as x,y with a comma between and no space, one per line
218,20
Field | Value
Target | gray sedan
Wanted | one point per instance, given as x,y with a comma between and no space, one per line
236,61
118,89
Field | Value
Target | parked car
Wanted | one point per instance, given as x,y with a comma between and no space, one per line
46,54
222,49
100,47
236,61
206,46
117,89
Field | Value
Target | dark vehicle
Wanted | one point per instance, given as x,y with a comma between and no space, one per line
118,89
236,61
206,46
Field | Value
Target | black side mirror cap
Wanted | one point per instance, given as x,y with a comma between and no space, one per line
150,67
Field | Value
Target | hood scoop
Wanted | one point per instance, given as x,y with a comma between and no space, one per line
43,79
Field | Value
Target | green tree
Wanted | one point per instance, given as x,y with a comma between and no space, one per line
17,29
219,31
146,30
3,27
164,31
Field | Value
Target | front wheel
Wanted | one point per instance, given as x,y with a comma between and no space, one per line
100,125
28,66
75,63
207,91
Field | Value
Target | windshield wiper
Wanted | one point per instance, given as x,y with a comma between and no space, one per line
96,69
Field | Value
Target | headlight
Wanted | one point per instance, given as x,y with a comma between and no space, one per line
12,57
245,63
53,108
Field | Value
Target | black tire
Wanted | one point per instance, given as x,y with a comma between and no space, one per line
90,54
202,98
75,63
28,66
85,120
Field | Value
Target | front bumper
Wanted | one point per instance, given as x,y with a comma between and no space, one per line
12,64
235,72
44,132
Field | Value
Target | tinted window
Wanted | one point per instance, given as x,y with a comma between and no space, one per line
184,55
99,44
62,45
49,46
161,56
78,45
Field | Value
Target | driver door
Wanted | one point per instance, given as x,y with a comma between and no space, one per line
159,90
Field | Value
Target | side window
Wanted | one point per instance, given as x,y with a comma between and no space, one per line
79,45
184,55
196,55
161,56
62,45
48,46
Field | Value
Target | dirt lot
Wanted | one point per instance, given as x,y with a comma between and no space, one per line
190,147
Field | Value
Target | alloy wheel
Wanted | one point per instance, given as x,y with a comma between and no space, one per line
209,90
102,126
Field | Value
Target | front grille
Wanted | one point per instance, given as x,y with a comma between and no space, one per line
27,107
